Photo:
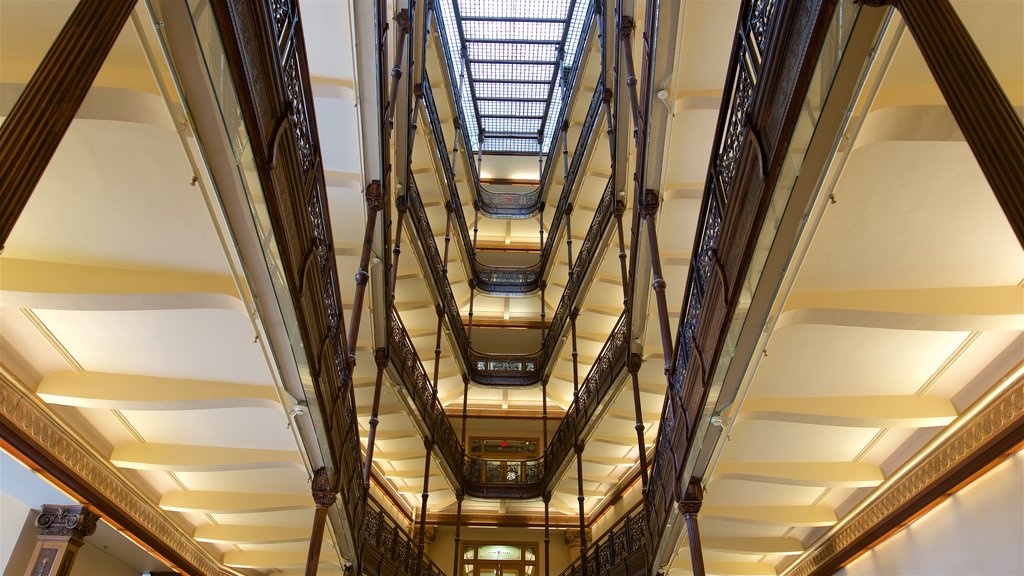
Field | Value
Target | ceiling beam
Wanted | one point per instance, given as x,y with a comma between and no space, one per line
59,286
853,411
238,534
825,474
137,392
755,546
773,515
264,560
185,458
232,502
968,309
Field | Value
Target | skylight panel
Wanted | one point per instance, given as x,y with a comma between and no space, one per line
505,60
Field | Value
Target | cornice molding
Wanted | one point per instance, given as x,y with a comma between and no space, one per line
33,430
978,441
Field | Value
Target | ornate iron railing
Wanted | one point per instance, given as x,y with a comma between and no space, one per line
388,549
684,406
280,122
500,205
510,279
621,548
490,369
726,233
484,477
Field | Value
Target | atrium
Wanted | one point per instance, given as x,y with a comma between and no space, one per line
521,288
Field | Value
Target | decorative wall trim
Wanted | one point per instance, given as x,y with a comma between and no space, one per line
981,439
30,428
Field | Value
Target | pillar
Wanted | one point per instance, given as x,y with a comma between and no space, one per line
64,529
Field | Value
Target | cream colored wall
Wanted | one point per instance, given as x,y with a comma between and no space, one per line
977,531
16,519
92,561
442,549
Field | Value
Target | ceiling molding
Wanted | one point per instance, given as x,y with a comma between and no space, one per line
33,431
985,434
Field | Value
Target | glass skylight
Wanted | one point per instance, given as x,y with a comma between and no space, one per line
506,62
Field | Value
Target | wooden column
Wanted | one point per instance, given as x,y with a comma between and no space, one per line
64,531
986,117
690,506
323,497
33,130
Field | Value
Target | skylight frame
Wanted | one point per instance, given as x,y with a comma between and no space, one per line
496,55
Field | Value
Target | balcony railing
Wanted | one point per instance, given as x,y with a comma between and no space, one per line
490,369
523,205
388,549
510,279
486,477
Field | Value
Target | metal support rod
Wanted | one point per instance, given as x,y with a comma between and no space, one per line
611,125
465,405
986,116
581,498
403,23
579,445
649,208
625,36
323,497
568,236
635,361
396,249
565,153
472,284
441,307
380,356
417,91
428,444
547,536
543,312
458,535
544,415
620,208
36,125
690,507
455,150
373,201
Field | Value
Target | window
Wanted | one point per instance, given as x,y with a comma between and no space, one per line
499,559
511,65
